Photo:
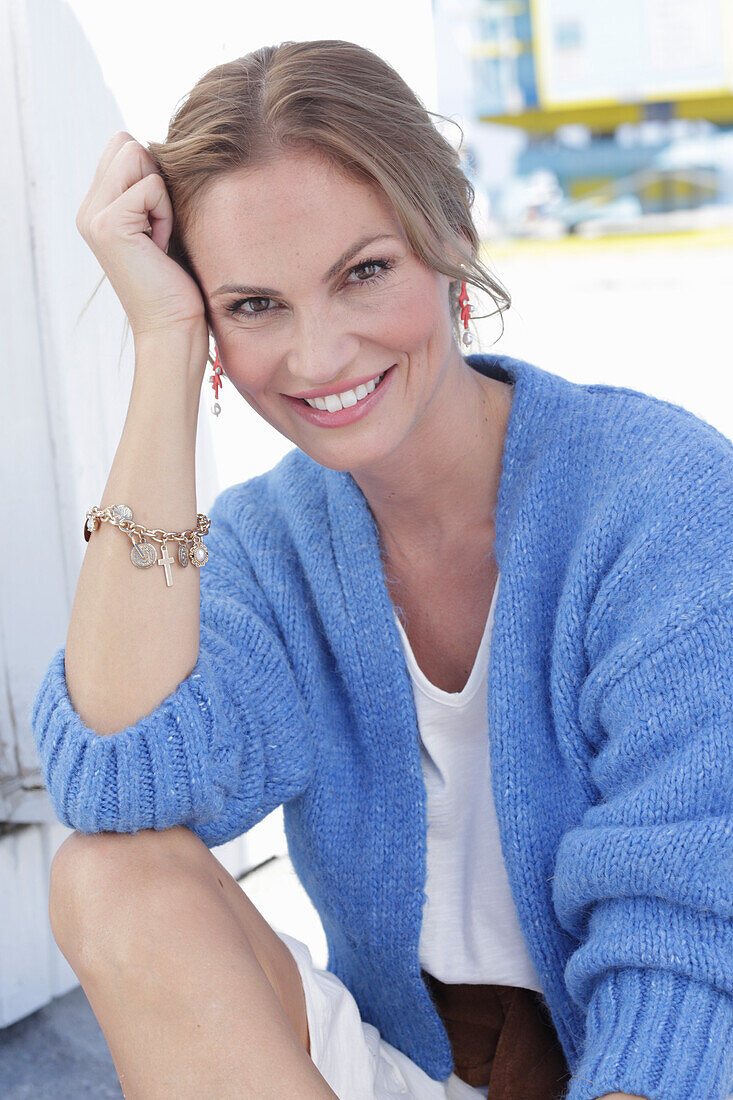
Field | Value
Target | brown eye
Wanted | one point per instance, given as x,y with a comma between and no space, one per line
363,266
236,307
383,267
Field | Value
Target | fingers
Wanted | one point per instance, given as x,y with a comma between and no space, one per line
146,200
111,149
123,163
114,144
126,208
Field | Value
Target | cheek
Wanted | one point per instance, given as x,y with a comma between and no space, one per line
411,316
247,372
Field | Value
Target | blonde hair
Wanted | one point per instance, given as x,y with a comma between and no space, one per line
345,102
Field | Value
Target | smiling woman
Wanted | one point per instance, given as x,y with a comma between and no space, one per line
301,97
474,633
329,233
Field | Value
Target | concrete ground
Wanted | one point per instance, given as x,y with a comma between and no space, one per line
60,1052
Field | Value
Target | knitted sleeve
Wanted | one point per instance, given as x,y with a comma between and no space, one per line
220,752
645,882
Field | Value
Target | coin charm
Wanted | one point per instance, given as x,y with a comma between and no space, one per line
122,511
198,555
183,554
143,554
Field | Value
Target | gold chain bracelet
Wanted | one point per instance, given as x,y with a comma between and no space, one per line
191,546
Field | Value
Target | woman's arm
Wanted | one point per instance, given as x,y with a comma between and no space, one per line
131,638
230,743
643,881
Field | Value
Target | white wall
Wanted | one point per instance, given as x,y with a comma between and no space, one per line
65,396
66,389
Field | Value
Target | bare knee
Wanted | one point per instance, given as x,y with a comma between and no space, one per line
98,882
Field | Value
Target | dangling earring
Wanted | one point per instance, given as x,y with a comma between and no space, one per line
216,382
465,314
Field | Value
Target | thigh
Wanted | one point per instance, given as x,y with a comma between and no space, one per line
150,855
272,953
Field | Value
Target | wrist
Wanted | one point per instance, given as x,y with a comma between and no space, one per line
187,346
166,391
172,370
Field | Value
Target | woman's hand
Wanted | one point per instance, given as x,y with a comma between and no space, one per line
126,219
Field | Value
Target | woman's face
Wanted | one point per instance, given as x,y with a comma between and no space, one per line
311,286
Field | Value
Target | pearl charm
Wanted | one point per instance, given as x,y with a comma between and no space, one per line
198,555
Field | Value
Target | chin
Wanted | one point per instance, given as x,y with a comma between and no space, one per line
348,459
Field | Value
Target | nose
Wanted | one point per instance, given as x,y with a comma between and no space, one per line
320,354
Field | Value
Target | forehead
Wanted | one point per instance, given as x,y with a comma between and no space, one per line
290,204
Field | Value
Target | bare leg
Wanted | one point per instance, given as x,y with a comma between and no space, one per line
195,993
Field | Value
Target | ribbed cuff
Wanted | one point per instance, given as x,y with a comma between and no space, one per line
152,775
655,1034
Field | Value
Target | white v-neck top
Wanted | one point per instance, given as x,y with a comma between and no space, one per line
470,930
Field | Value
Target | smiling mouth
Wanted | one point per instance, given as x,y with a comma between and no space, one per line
347,398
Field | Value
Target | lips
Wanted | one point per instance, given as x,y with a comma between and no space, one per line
367,387
311,394
324,419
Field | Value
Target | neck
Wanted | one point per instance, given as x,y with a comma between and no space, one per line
439,487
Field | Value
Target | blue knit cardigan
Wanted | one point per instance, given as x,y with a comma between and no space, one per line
610,709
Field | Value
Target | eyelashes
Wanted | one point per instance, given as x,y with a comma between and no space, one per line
235,308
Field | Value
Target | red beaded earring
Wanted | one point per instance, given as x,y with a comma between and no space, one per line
465,314
216,381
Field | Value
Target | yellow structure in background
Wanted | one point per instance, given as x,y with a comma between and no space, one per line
606,115
679,36
719,238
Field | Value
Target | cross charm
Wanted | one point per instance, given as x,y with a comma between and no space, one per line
166,561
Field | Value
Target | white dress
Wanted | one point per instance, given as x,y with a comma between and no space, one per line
470,931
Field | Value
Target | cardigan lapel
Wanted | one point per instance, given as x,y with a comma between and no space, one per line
371,651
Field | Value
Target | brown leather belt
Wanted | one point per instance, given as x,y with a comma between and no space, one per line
502,1036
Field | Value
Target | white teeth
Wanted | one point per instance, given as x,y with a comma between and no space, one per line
335,401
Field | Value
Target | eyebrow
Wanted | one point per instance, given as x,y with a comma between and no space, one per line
267,292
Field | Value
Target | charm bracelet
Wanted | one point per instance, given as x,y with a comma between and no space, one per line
191,548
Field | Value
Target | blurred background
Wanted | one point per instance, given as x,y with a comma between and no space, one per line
599,141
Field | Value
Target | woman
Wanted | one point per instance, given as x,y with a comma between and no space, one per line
554,921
